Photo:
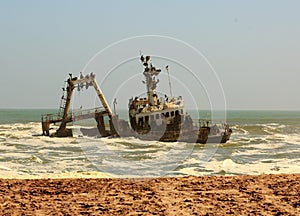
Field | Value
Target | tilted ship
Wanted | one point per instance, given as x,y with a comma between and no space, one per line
163,119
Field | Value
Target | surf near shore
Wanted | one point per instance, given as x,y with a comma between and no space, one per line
215,195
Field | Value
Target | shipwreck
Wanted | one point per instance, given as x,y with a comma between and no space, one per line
155,117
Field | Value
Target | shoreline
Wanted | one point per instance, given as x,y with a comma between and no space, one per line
275,194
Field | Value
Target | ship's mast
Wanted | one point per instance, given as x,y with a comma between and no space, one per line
167,68
150,73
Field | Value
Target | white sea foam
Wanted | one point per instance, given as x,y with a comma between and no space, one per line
265,146
27,156
239,130
191,161
15,175
2,167
276,167
190,171
290,138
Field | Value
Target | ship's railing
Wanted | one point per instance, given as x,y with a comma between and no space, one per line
72,114
52,117
81,112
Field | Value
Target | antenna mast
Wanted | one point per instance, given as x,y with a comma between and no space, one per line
167,68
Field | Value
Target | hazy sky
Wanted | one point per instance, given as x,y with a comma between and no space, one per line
254,46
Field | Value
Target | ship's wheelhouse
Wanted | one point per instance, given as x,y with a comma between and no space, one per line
158,116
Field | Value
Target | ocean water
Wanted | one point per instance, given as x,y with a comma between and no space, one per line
261,142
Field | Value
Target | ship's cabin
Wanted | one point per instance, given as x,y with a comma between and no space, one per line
165,112
159,116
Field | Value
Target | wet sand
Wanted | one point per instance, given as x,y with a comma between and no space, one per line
216,195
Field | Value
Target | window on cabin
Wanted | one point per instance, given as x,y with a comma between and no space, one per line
157,116
177,112
172,113
167,114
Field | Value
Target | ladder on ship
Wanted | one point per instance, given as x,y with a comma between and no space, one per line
63,101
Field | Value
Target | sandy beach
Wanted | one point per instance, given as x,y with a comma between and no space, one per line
215,195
